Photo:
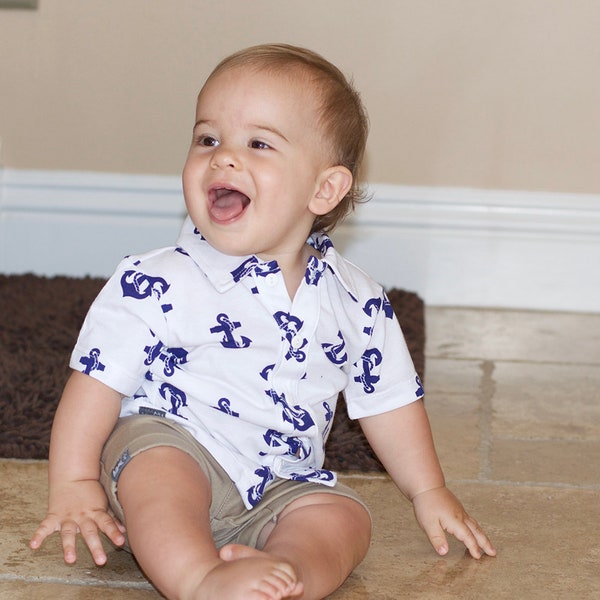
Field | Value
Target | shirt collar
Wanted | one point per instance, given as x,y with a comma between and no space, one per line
225,271
336,263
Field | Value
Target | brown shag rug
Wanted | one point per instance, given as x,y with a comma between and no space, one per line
39,323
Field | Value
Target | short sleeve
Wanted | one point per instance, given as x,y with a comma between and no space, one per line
384,378
123,326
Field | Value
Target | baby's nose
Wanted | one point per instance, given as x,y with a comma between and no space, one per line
224,157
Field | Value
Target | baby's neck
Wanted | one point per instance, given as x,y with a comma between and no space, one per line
293,267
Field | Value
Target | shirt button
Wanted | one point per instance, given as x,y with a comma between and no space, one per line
297,342
271,279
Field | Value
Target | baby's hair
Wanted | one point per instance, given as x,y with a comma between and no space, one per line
343,116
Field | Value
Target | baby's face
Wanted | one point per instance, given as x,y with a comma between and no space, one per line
255,163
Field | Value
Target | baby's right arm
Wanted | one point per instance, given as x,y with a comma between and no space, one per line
86,415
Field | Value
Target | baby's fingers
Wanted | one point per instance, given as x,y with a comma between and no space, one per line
111,528
91,536
47,527
471,535
482,540
90,531
437,537
68,535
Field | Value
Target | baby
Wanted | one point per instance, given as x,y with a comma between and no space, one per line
205,378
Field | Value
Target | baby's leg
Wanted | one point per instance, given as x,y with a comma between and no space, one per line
324,537
166,498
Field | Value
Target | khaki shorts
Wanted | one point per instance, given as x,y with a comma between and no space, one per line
230,521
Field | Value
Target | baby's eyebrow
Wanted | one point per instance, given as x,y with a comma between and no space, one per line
201,122
270,129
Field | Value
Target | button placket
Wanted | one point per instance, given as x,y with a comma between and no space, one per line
271,280
289,372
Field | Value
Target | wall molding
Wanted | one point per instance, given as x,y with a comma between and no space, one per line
454,246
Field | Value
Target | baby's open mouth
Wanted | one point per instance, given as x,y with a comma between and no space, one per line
225,204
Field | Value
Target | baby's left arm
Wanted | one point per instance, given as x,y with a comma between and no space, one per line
403,442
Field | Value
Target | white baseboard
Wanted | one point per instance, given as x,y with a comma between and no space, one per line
453,246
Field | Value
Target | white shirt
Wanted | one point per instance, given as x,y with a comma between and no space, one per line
215,343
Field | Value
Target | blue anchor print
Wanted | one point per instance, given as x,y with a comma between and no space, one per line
266,372
314,475
224,405
255,493
295,447
328,419
314,271
140,286
323,243
152,352
371,308
370,359
264,269
328,412
420,391
253,265
91,362
387,308
336,353
226,326
291,326
175,396
297,416
244,269
172,357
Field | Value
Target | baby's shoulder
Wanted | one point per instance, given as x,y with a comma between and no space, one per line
358,283
168,262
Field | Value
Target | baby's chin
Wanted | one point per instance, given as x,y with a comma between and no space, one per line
229,247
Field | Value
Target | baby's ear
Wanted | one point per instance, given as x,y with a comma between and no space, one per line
334,183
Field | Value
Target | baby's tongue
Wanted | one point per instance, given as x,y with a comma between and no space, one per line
228,205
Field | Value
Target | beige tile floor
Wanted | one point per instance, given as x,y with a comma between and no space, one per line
514,400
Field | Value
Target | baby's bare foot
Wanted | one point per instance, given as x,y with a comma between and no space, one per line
248,574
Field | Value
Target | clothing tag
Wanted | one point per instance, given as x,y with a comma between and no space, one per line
123,460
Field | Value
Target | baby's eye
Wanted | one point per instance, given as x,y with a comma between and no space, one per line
258,145
207,140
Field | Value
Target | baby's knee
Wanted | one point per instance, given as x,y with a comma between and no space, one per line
339,511
358,519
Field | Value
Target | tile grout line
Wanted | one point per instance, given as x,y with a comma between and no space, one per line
516,361
487,389
586,487
76,582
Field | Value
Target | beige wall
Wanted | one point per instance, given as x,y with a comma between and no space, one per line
477,93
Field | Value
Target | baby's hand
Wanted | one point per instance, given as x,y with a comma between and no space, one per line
438,510
79,507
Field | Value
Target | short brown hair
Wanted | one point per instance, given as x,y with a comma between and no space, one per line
343,115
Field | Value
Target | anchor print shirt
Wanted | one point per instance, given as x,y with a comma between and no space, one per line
215,343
